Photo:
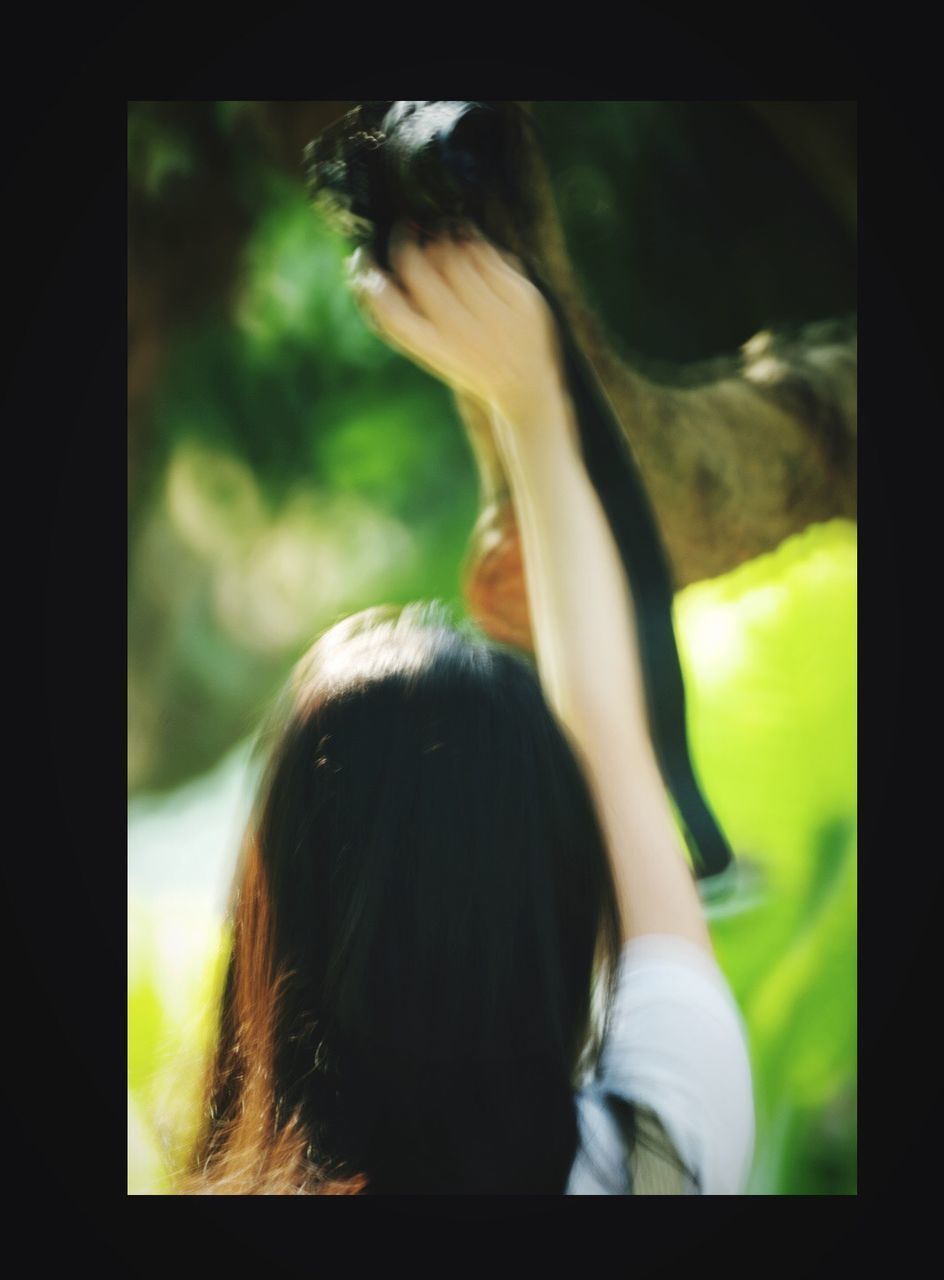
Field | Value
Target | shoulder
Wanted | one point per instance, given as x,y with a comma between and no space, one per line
676,1047
600,1165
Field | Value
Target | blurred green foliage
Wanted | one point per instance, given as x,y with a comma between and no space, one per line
293,468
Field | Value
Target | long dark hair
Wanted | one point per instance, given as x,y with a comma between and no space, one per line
425,931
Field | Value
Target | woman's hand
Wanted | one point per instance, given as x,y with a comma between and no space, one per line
462,311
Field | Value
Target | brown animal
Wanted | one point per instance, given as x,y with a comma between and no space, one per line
736,453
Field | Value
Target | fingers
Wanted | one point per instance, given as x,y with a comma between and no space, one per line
464,277
392,313
501,270
431,292
477,271
390,307
462,274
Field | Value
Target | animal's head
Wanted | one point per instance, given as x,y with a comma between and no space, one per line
429,163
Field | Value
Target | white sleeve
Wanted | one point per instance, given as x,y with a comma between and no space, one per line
677,1044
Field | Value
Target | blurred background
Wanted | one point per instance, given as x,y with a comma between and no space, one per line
286,468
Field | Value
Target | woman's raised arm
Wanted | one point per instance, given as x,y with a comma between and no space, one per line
467,315
588,660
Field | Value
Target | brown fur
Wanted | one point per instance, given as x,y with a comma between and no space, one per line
736,453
